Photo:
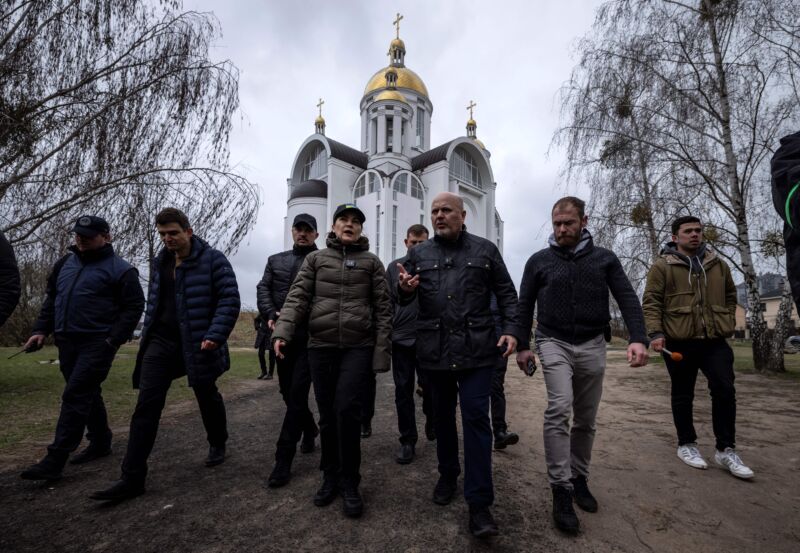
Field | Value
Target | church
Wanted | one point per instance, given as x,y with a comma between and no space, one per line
395,173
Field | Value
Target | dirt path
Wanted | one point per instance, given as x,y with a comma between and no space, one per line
649,501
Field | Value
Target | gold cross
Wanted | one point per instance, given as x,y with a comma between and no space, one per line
470,106
396,23
319,105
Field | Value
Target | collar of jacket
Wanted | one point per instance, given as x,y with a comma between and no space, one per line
361,245
584,245
703,257
457,242
303,250
93,255
198,245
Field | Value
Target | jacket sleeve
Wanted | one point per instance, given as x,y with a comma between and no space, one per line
785,170
264,294
731,297
391,287
9,280
46,322
131,300
528,291
653,300
627,300
298,303
506,294
226,311
382,319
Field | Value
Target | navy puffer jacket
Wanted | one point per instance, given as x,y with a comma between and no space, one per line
207,304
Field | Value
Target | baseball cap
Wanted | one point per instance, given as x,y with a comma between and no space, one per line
348,207
90,226
307,219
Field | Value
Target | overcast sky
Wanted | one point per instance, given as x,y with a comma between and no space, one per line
511,58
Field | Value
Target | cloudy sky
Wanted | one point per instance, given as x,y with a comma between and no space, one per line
510,57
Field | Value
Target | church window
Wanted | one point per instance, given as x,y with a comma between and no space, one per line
373,183
389,132
400,185
378,230
359,189
316,164
394,232
420,127
463,168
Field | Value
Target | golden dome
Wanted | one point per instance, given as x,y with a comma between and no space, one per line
391,95
320,120
397,43
472,123
479,143
405,79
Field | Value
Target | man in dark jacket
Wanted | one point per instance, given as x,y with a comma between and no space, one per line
453,276
404,356
93,303
9,280
569,281
192,307
786,198
294,375
262,344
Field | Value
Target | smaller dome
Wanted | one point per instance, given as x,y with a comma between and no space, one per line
320,120
472,123
391,71
391,95
397,43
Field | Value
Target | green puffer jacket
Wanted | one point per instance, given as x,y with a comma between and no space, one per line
681,303
342,291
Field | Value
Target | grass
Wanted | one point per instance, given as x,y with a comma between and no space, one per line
31,386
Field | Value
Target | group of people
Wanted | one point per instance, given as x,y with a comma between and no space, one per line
447,312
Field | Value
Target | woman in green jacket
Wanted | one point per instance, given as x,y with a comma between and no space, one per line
341,291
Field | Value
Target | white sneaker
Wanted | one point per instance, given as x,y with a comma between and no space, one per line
730,460
689,454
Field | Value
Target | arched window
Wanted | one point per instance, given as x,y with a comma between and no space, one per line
400,185
464,168
366,184
360,188
316,164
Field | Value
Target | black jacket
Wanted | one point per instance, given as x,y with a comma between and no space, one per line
279,274
786,198
404,317
571,291
9,280
455,328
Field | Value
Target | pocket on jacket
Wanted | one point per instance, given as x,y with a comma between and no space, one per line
428,271
724,322
481,334
679,323
429,347
477,274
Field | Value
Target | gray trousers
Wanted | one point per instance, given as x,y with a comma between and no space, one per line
573,374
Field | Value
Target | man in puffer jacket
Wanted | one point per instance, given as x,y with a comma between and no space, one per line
192,307
786,198
341,291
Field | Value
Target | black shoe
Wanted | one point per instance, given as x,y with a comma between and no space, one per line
366,430
563,513
503,439
481,522
121,490
352,504
268,377
280,475
216,456
90,454
48,468
444,491
430,431
405,454
262,376
583,497
326,493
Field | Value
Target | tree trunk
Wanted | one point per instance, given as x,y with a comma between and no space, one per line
781,331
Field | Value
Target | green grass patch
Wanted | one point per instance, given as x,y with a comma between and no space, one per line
31,385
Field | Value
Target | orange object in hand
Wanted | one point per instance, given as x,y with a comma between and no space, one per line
675,356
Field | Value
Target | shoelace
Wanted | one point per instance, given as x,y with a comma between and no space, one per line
694,453
734,459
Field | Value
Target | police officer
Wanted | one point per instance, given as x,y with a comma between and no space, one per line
93,303
452,277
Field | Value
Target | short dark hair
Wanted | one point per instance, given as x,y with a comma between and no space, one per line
172,215
577,203
676,224
416,230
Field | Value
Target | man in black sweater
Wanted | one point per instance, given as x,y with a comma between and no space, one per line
570,281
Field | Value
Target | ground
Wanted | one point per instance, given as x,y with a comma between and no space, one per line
649,500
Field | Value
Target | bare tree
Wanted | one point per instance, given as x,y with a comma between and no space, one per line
113,107
709,99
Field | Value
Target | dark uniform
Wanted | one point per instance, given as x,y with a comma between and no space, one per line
786,198
263,335
9,280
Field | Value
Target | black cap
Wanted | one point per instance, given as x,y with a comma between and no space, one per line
348,207
306,219
90,226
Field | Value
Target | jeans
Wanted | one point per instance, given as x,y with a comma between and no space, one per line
294,379
715,359
471,388
340,378
84,361
162,363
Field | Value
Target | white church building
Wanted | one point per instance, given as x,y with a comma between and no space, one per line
395,173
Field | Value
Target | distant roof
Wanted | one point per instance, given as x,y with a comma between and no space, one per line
771,294
310,189
439,153
347,154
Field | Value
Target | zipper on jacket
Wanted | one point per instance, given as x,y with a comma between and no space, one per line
69,294
341,293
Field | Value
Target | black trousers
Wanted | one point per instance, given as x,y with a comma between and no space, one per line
470,388
368,403
84,360
161,364
715,359
404,366
340,377
498,396
294,380
262,358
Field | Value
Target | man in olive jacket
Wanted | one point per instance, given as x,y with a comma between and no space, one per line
689,308
453,277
